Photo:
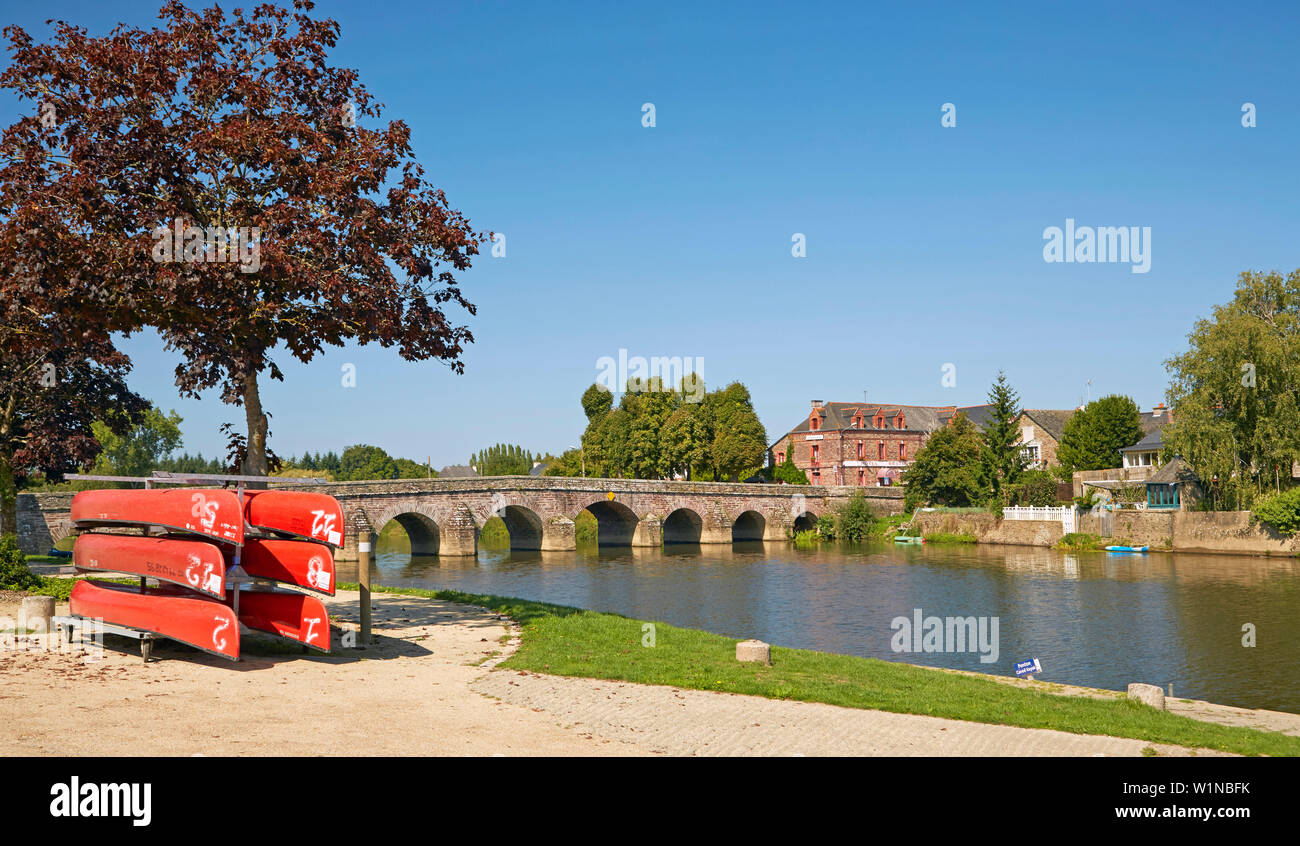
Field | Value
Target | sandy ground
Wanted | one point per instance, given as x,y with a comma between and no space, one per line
427,688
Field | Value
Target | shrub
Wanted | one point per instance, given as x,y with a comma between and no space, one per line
826,527
1080,540
1036,487
1279,511
807,537
14,574
854,520
950,537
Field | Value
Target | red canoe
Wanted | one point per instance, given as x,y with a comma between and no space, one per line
291,615
189,563
302,563
181,615
211,511
308,515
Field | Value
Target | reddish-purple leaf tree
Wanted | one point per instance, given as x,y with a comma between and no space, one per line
237,198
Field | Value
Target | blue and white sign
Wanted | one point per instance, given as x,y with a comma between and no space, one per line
1028,668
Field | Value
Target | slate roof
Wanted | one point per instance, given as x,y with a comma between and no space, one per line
916,418
1050,420
1152,426
456,471
1175,470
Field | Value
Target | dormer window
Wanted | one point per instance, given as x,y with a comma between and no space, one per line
880,421
900,422
816,422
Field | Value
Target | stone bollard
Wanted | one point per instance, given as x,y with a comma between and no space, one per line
1147,694
37,611
754,650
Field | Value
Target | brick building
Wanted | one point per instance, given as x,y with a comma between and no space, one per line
857,443
1041,430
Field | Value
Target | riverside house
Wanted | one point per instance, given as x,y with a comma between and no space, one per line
858,443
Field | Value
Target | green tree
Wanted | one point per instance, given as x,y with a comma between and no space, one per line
739,439
1036,487
788,472
1003,460
502,460
1095,434
1235,392
950,469
568,463
408,469
141,449
363,463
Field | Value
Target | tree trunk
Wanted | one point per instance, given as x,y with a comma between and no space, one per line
8,497
255,456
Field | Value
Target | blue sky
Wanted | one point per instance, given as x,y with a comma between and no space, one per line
924,243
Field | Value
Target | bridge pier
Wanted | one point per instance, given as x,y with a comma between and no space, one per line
716,527
558,535
460,535
776,527
649,532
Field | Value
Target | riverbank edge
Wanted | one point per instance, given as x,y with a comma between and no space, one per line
1221,722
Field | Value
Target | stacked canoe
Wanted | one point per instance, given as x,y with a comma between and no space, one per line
194,543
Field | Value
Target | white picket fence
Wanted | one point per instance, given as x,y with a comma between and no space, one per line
1067,514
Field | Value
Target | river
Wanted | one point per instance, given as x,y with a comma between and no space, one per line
1096,619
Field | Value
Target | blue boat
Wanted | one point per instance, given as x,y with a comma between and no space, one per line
1126,549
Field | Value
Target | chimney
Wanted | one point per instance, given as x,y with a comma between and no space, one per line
816,404
1158,410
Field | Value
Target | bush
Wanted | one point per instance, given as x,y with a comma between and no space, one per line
1035,488
950,537
14,574
854,520
826,527
1080,540
1279,511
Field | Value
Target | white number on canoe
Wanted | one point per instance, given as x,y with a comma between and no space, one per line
204,510
311,628
222,625
323,525
317,576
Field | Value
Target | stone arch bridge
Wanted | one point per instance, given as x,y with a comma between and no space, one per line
445,516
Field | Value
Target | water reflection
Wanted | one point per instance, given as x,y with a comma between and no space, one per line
1098,619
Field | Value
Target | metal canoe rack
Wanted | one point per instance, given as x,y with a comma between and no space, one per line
165,477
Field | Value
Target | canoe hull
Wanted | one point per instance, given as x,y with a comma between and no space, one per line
302,563
211,512
195,564
293,616
312,516
181,615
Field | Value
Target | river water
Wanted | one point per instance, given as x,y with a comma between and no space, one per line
1096,619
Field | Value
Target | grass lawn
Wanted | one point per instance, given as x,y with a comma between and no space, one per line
571,642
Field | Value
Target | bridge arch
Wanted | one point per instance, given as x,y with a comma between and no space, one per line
805,521
683,525
524,525
749,526
615,522
421,529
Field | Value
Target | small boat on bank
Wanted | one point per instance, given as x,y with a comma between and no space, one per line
311,516
184,561
297,562
908,539
210,511
1126,549
173,612
288,614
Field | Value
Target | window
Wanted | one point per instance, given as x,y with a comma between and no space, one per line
816,422
862,452
814,452
902,451
901,422
862,477
780,458
880,421
880,451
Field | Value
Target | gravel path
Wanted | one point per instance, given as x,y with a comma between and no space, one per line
671,721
